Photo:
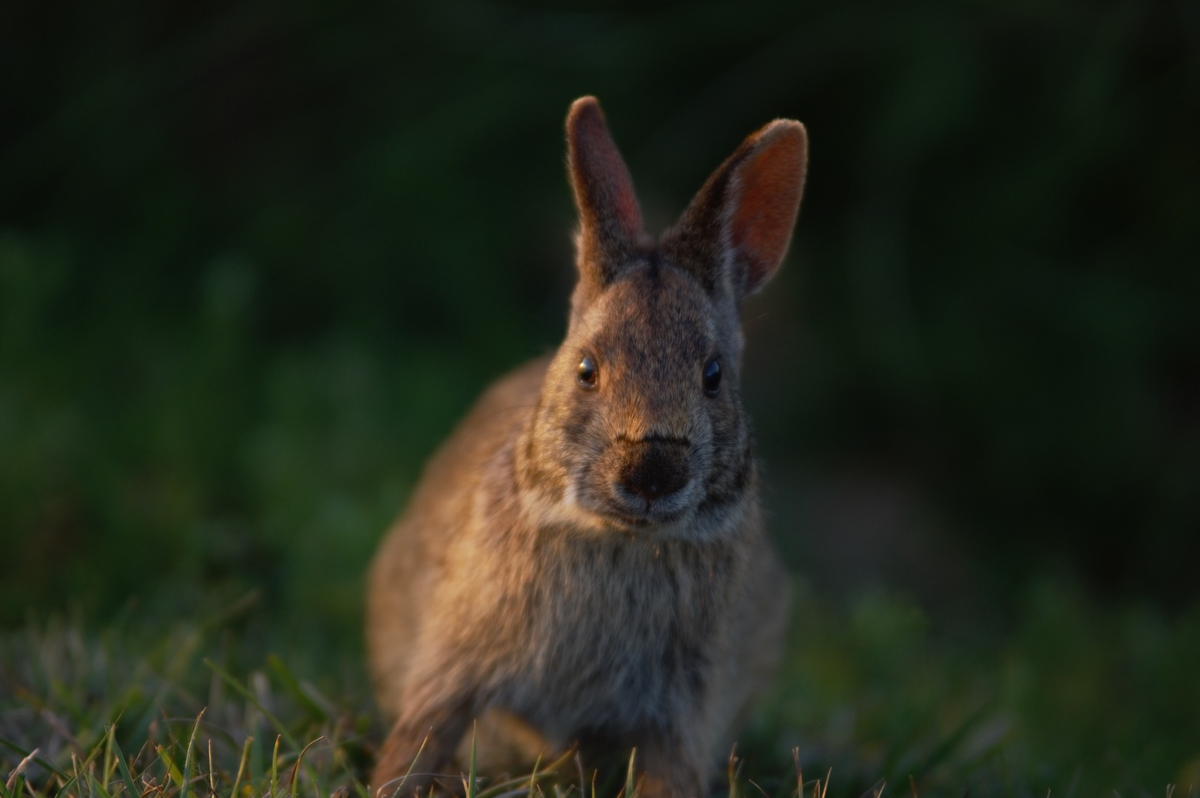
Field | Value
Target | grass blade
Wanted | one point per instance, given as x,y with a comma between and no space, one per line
299,760
173,771
533,776
274,721
408,772
20,768
473,785
237,782
95,788
242,691
733,769
108,754
187,757
123,769
70,782
47,764
275,768
292,685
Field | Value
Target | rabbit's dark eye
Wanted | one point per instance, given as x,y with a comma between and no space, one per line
586,373
712,377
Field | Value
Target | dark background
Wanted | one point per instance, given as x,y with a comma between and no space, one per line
256,259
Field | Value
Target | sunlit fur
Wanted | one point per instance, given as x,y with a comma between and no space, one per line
534,575
650,333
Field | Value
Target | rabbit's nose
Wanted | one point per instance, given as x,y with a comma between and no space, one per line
655,470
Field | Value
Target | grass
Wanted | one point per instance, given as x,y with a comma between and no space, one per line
874,699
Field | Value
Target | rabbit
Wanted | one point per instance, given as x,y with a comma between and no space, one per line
587,554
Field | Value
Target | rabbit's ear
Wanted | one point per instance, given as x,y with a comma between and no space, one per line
610,221
740,223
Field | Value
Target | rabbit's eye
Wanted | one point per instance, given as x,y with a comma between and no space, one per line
712,377
586,373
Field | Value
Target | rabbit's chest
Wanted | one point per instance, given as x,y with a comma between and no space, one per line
618,633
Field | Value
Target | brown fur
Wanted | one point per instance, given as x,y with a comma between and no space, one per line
592,561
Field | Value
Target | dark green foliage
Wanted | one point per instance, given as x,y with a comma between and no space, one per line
254,261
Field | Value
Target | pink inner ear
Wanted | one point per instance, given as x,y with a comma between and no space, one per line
628,210
770,183
625,202
607,188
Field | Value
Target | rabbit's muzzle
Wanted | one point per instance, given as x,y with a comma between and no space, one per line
650,474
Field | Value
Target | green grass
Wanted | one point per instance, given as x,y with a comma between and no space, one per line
1070,700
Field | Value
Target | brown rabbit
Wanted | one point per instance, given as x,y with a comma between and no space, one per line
587,552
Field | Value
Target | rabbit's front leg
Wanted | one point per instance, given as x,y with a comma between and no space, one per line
418,747
671,767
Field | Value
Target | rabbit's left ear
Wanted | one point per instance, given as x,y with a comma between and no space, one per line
610,220
739,225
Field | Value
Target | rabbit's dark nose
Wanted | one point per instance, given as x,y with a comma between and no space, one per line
655,469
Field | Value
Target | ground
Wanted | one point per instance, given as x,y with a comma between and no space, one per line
874,696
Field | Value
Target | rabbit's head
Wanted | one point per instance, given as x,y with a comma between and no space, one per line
640,426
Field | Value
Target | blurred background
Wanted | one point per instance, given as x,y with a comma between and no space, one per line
256,259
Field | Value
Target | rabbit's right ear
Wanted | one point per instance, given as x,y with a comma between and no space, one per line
610,220
734,234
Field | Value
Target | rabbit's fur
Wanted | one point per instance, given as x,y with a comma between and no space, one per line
592,559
